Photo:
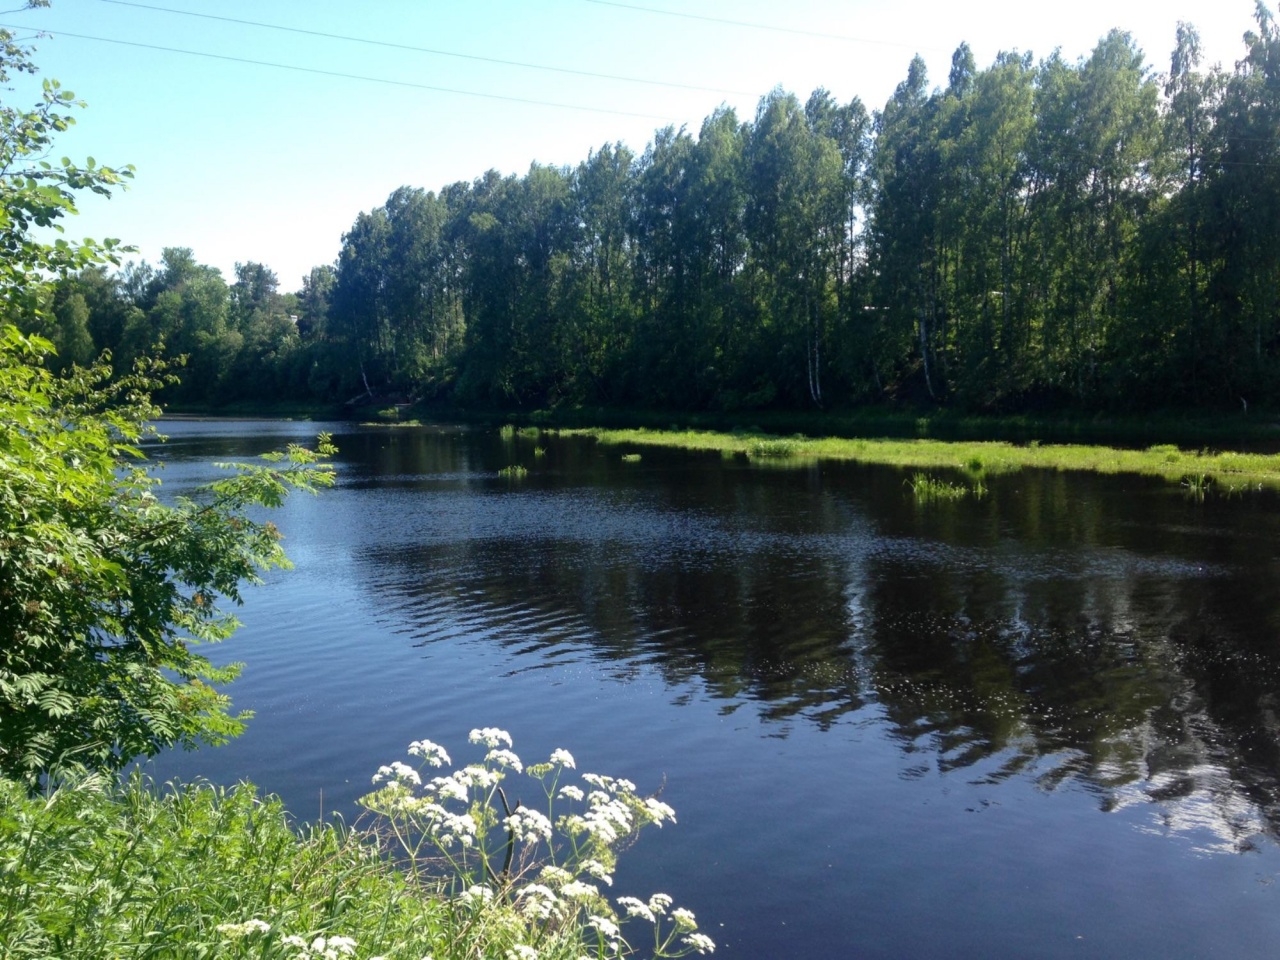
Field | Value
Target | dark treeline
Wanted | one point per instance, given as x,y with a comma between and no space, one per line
1028,236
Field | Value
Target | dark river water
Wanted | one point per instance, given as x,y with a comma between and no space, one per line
1045,723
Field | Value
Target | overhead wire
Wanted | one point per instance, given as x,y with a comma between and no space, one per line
428,50
348,76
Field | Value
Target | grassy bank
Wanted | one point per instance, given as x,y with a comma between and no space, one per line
442,868
1228,471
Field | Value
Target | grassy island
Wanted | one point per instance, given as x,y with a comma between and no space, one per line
1229,471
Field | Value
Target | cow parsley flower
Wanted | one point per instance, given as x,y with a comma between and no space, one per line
684,918
564,758
606,926
521,952
659,903
527,824
658,811
505,758
537,901
476,894
397,772
433,753
237,930
636,907
490,737
595,868
570,792
700,942
577,890
449,788
477,776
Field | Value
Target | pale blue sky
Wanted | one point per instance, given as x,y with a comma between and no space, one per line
248,162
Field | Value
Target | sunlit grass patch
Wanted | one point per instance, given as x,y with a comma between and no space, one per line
981,458
514,472
926,488
773,449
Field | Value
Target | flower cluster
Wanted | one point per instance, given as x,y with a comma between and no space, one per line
543,863
332,948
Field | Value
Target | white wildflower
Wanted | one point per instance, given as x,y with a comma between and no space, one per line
564,758
624,786
554,875
476,894
570,792
658,811
659,902
490,736
397,772
684,918
505,758
450,788
700,942
478,776
636,908
433,753
598,780
237,930
537,901
595,868
293,940
521,952
577,890
528,825
606,926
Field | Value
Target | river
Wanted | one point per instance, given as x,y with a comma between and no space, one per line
1041,723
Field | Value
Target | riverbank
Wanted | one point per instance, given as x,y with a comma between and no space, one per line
1254,430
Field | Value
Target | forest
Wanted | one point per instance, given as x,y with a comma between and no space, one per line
1029,236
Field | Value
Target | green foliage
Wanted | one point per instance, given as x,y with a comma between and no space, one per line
36,192
105,591
514,472
96,869
93,870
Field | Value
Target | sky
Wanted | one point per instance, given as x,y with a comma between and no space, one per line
257,143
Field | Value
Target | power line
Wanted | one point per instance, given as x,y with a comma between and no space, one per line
353,76
428,50
755,26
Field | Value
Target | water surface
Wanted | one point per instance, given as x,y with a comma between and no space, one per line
1044,723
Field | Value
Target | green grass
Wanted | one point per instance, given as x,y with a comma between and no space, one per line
96,871
514,472
631,458
1231,470
926,488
